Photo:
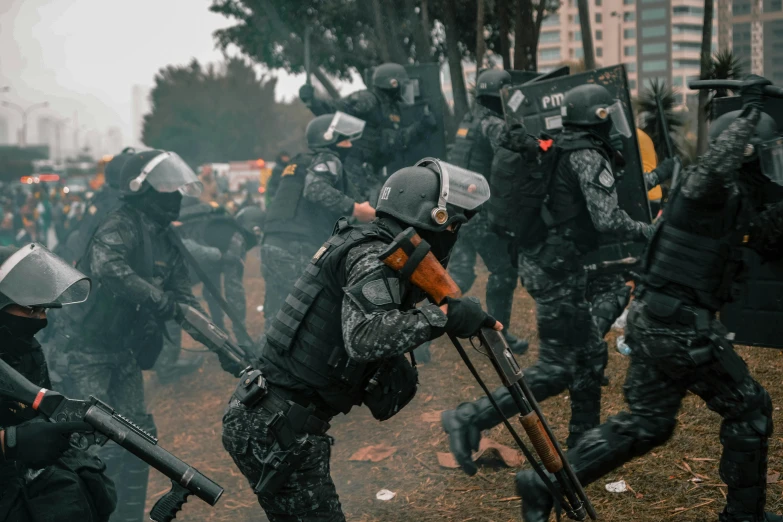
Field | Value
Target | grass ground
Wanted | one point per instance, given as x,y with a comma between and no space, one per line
188,414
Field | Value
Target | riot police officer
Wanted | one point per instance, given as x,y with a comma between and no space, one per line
730,198
311,196
583,211
384,137
41,477
477,138
140,279
340,339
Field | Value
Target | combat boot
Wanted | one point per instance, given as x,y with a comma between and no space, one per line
518,346
465,424
743,504
537,501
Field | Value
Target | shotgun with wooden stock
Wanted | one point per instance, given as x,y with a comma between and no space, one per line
409,255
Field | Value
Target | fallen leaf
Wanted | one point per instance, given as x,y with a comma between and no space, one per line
447,460
428,398
375,453
488,447
773,477
431,416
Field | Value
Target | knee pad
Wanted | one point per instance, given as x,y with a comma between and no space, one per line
744,440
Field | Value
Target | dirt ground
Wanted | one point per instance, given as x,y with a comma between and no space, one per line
678,481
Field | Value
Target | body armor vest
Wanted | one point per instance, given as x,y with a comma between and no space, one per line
566,206
290,215
386,117
471,150
305,339
698,269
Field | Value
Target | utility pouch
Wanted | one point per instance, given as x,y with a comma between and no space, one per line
286,455
662,307
559,256
391,388
251,388
729,359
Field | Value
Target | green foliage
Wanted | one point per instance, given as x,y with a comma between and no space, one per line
723,65
212,114
650,120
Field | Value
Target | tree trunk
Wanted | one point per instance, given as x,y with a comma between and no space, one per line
480,44
525,38
505,30
382,38
706,52
454,57
420,33
392,20
587,34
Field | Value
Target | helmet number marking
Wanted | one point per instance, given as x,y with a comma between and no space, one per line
385,193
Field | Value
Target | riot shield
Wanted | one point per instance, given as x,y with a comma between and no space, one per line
756,316
537,105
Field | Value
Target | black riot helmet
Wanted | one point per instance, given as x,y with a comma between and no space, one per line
431,196
392,78
251,220
764,152
34,277
488,88
114,167
157,170
327,130
592,107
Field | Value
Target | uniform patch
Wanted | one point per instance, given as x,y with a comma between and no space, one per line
320,252
112,239
606,178
462,132
289,170
395,118
377,293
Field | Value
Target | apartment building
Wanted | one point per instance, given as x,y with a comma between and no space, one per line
753,29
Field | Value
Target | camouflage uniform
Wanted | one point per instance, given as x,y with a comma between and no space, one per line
678,344
118,331
290,240
382,140
359,309
476,237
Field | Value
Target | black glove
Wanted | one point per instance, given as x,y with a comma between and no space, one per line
517,139
665,170
752,91
167,307
40,444
229,365
306,94
465,317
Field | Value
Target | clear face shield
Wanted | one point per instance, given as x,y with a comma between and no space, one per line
771,159
619,119
461,188
167,172
409,90
33,276
345,125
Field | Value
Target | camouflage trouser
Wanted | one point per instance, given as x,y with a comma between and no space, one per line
477,238
116,378
668,359
608,296
308,495
281,267
572,355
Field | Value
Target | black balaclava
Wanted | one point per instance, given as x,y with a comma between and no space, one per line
162,207
492,103
17,334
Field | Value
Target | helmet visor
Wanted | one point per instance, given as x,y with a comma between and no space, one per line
619,119
771,158
462,188
167,172
350,127
33,276
409,89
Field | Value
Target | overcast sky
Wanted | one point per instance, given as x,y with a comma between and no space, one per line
85,55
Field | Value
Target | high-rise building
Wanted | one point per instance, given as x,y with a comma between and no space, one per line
4,137
655,39
753,30
47,132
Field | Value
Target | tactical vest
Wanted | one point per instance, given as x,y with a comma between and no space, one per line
701,270
305,339
471,150
385,117
566,208
292,217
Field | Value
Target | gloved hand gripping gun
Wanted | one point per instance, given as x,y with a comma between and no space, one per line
410,255
233,357
110,425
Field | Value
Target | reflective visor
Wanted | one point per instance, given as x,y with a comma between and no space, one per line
462,188
771,158
33,276
348,126
167,172
621,123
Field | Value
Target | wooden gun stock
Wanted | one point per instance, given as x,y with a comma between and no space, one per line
407,254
